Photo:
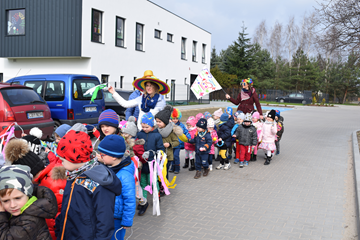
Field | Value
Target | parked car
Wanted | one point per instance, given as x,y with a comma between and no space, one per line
110,102
64,93
22,105
294,98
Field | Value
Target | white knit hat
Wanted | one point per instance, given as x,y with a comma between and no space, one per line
210,123
218,112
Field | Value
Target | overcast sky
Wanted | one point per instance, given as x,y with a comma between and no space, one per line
224,18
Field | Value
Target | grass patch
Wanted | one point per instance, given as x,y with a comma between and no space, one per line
280,104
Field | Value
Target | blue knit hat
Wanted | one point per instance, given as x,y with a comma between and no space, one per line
229,110
109,117
113,145
277,113
148,119
62,129
224,117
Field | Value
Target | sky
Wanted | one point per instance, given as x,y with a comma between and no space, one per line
223,19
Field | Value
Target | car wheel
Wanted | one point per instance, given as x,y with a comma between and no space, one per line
282,101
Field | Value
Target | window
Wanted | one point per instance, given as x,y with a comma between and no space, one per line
157,34
96,28
185,81
115,84
292,95
121,81
139,36
169,37
183,49
21,96
203,53
194,51
54,91
80,86
36,85
120,24
16,22
167,95
104,78
1,77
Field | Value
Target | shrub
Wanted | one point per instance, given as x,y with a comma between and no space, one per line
314,100
323,101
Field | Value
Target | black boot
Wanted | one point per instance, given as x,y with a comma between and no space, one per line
186,164
254,157
192,167
267,162
143,209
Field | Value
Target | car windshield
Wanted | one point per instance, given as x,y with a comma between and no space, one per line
108,97
80,86
21,96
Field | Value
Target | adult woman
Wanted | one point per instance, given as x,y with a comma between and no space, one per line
150,99
246,98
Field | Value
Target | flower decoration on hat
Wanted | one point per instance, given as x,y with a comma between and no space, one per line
248,81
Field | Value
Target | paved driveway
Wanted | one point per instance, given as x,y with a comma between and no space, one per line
300,195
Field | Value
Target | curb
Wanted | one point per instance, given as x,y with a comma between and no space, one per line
356,159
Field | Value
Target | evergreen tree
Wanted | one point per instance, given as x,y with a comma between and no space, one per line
214,58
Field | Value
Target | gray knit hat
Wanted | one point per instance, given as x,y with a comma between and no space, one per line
78,127
165,114
17,177
130,127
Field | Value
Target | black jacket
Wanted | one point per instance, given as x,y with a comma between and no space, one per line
247,136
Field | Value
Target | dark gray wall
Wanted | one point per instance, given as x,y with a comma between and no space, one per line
52,29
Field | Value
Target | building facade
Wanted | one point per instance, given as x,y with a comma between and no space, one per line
113,40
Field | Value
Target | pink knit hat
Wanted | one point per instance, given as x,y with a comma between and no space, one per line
198,116
218,112
210,123
256,115
192,121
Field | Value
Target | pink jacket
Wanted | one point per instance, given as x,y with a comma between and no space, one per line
268,132
213,135
190,146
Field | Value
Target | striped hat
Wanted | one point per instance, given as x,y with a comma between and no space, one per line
176,114
109,117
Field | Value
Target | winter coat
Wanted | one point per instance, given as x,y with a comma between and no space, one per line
154,142
224,133
173,140
268,132
247,106
258,125
31,223
88,205
246,135
190,146
200,142
133,111
185,131
280,128
214,138
54,178
130,143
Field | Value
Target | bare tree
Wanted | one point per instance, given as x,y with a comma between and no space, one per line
275,44
260,36
291,31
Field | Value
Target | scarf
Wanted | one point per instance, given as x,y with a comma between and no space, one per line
165,132
245,94
77,172
202,134
190,129
148,103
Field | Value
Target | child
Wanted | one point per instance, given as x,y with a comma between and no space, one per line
214,138
217,114
199,116
189,147
88,201
34,141
175,118
224,134
129,132
153,143
112,149
240,118
247,137
280,130
23,207
231,123
258,125
203,144
207,115
58,134
267,136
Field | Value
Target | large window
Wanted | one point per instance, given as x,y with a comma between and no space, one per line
169,37
183,48
80,86
203,52
16,22
139,37
96,28
194,51
54,91
120,24
157,34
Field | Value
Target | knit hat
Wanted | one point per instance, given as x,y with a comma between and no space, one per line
123,122
75,147
192,121
17,177
62,129
109,117
241,116
148,119
78,127
113,145
277,113
256,115
165,114
247,118
202,123
35,131
199,116
236,114
210,123
17,152
130,127
271,114
207,115
176,114
229,111
224,117
218,112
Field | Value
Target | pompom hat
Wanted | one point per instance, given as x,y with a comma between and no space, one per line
176,114
271,114
218,112
192,121
75,147
35,131
130,127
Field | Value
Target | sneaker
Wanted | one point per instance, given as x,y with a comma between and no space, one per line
246,163
227,166
210,167
236,161
241,165
220,166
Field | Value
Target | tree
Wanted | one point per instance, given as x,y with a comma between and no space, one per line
223,78
214,58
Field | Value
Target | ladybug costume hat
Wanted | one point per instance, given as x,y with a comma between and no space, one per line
75,147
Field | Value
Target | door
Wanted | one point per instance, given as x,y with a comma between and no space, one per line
173,91
192,95
55,98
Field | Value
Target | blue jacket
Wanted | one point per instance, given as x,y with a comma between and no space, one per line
154,142
133,111
125,203
88,204
200,142
224,132
186,132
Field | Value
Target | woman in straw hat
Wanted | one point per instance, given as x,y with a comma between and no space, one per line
150,99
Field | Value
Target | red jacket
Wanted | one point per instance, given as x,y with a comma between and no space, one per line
247,106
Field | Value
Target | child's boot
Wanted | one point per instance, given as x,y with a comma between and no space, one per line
186,164
197,174
267,162
206,172
143,209
246,163
241,165
277,152
254,157
177,169
192,167
236,161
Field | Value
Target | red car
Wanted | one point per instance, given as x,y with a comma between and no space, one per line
24,106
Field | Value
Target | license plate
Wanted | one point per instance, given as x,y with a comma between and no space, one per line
90,109
35,115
